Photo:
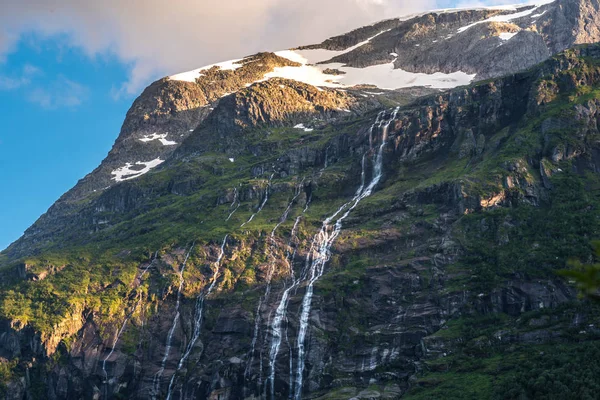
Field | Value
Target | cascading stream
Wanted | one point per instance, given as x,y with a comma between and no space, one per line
265,297
235,194
233,212
199,309
235,199
262,204
118,334
321,251
281,311
145,271
158,376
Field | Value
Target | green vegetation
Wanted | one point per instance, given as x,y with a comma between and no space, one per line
558,371
537,241
483,364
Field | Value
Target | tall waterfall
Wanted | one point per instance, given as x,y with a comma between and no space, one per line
198,318
270,273
281,313
158,376
321,249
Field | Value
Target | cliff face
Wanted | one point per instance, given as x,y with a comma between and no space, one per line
453,46
303,242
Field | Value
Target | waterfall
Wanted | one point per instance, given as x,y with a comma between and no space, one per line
262,204
235,199
321,251
270,273
281,311
118,334
149,265
158,376
280,315
233,212
198,318
325,164
235,194
288,209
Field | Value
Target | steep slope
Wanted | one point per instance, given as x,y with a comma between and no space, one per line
414,55
308,242
298,270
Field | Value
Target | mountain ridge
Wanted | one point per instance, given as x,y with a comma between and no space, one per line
322,243
171,107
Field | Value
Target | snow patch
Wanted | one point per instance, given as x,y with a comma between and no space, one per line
507,35
510,7
508,17
539,15
315,56
384,76
191,76
126,173
161,138
301,126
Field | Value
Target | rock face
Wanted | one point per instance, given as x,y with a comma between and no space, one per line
486,43
303,242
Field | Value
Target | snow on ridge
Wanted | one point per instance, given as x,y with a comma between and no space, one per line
125,173
384,76
507,7
314,56
162,138
509,17
191,76
507,35
540,14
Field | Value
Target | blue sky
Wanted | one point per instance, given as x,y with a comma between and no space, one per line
70,69
59,119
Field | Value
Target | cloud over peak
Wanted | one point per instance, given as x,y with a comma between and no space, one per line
158,38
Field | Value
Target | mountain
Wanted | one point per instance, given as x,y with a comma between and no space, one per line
418,55
382,215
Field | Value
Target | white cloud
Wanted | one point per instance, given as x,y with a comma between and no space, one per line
60,93
23,79
158,38
48,93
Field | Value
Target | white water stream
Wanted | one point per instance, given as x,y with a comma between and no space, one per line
118,334
264,298
262,204
198,313
323,241
158,376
